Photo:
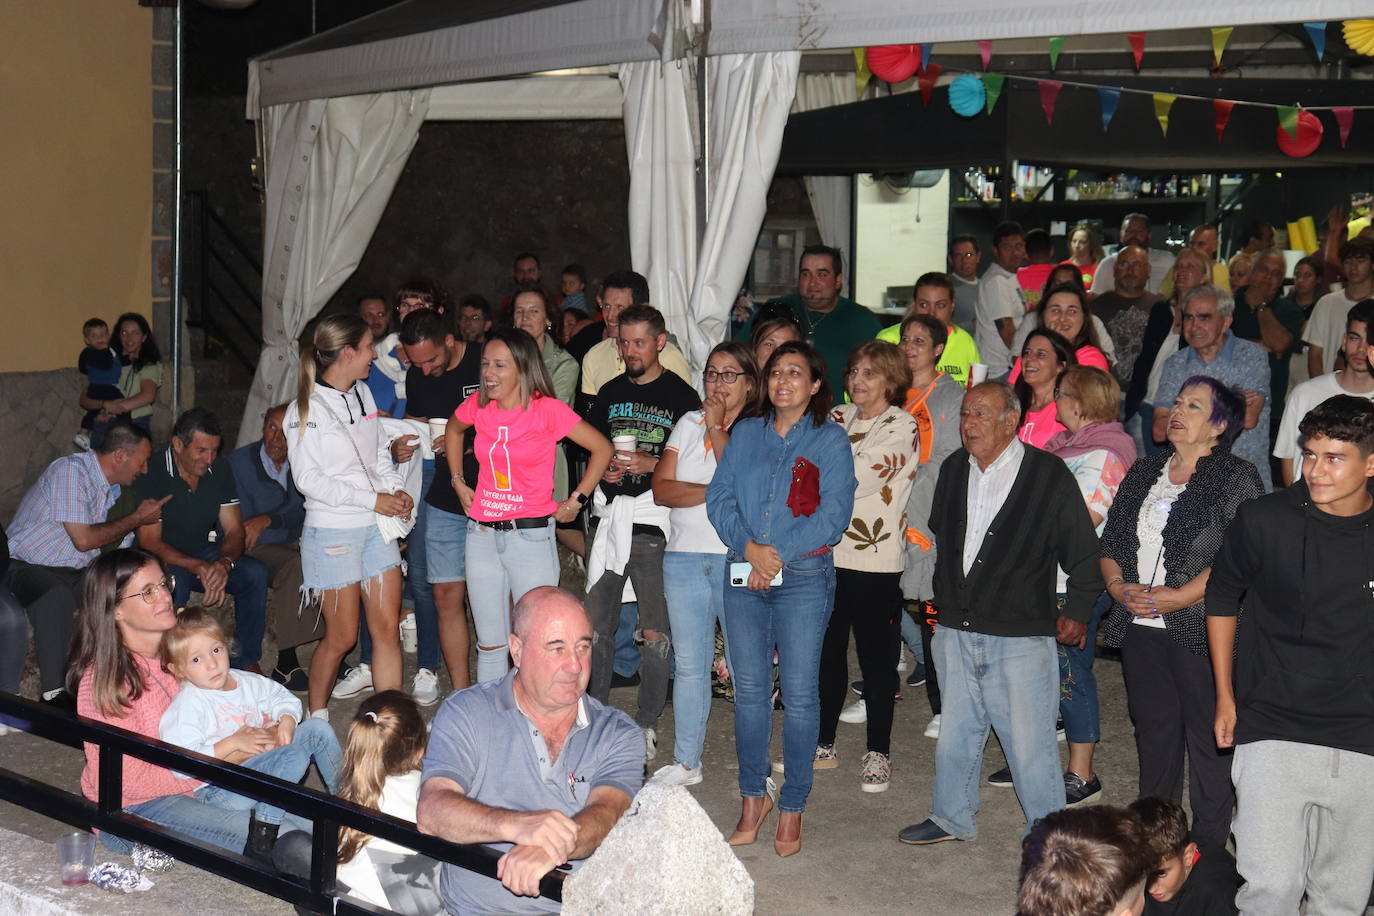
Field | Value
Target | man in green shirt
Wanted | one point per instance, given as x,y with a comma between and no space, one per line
200,537
1271,320
934,296
831,323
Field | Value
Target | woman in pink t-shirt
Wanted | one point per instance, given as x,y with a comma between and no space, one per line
510,507
1044,358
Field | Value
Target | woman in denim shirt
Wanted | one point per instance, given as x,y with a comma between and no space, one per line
778,526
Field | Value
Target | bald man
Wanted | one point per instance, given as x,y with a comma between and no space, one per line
529,765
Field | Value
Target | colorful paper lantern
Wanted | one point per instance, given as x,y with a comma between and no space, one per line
1359,35
1308,136
894,63
967,95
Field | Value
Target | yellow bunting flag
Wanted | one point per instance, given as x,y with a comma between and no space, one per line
1163,102
1220,36
861,72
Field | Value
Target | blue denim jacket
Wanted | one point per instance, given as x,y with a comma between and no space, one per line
747,498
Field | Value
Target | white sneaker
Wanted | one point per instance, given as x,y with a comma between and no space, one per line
901,659
650,744
675,774
855,712
425,687
322,714
933,729
355,682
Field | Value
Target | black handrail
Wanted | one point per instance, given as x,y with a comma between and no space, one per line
228,232
326,812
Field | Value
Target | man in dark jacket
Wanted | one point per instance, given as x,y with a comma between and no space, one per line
1005,515
273,515
1296,700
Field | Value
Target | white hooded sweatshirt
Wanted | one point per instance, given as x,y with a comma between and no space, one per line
341,428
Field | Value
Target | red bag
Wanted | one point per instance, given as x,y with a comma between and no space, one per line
805,493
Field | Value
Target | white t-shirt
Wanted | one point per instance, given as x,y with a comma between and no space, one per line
198,719
1326,326
999,296
692,531
1300,400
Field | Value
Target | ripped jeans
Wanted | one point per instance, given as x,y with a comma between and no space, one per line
645,569
333,558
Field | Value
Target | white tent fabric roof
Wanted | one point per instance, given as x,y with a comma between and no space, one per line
774,25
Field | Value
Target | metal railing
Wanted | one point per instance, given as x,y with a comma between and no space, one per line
228,302
326,812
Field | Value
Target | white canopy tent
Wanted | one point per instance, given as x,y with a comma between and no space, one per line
339,113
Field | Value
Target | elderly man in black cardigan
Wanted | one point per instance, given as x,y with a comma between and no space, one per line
1005,515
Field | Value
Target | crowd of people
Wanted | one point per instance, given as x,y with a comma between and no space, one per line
1024,459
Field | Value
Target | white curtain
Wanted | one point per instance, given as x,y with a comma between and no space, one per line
748,97
331,165
831,196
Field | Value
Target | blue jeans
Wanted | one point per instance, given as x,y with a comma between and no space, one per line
791,617
223,827
417,587
314,740
695,585
1007,683
1078,684
626,652
247,584
911,635
502,565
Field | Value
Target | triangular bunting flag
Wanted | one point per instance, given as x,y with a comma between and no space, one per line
1049,94
1137,40
861,72
1317,32
925,55
992,82
1221,111
985,52
926,82
1108,97
1344,118
1220,36
1056,44
1163,102
1288,119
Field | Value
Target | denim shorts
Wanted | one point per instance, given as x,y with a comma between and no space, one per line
446,544
334,558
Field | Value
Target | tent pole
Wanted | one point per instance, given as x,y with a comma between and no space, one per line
176,218
704,158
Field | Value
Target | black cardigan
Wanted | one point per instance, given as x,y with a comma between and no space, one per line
1044,524
1192,535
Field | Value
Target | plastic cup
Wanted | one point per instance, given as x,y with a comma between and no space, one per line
977,373
75,856
624,446
436,431
408,634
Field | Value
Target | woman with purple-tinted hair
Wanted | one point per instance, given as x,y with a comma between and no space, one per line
1163,531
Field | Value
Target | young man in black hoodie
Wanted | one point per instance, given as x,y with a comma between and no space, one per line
1299,706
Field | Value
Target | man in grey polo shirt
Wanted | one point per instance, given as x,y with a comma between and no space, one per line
529,765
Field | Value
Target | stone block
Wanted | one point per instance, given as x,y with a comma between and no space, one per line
164,23
164,146
162,268
164,204
164,64
41,414
164,105
665,856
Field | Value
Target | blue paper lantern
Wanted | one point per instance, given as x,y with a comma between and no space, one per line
966,95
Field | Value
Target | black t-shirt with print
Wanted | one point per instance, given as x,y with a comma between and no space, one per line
648,411
439,396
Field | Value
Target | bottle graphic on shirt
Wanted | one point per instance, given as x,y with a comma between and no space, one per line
499,456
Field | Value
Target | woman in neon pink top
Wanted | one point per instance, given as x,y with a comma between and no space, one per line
1044,357
118,679
511,508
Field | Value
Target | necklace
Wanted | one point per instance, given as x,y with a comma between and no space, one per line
812,325
872,422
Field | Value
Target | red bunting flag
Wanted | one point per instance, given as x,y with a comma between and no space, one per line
1137,46
1344,118
985,52
1221,110
926,82
1049,94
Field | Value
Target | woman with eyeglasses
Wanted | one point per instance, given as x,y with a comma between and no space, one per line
694,560
117,677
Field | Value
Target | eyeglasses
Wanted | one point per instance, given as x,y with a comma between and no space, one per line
729,377
149,592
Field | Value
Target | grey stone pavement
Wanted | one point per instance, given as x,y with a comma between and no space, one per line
851,861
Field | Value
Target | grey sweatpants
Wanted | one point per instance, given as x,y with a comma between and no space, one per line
1304,823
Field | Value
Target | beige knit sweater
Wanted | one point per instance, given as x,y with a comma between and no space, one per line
885,466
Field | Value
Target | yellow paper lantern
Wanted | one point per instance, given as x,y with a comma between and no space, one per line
1359,35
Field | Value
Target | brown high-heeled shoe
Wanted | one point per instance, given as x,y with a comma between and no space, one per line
788,839
747,830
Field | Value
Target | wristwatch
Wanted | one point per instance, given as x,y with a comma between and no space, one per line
580,497
229,560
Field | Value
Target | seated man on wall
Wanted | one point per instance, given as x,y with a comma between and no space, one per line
489,773
59,528
273,513
200,537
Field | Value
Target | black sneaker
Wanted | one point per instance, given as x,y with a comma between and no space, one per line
621,680
1001,779
917,677
1059,730
1077,791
